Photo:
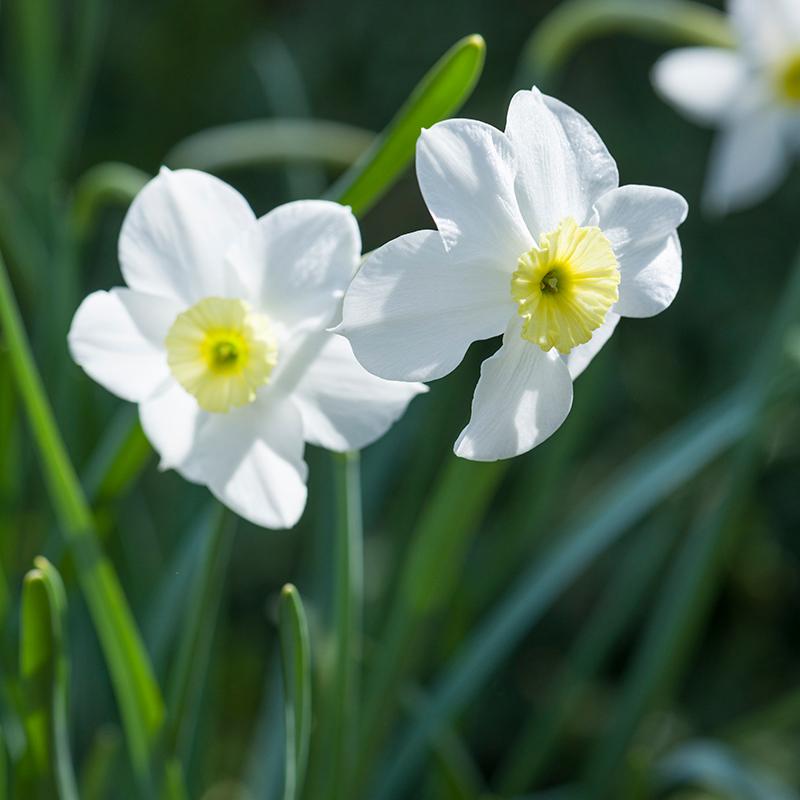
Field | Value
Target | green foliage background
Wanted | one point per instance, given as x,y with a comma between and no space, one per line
169,69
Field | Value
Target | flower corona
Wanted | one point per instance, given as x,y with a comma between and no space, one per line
565,286
221,352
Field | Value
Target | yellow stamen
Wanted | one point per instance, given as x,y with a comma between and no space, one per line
221,351
565,286
788,77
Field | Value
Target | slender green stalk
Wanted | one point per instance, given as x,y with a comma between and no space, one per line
44,671
98,770
645,481
3,767
575,22
694,580
111,182
296,662
271,141
440,93
617,611
196,634
429,574
138,695
347,612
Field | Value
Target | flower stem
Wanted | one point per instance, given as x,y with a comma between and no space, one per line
137,693
348,590
573,23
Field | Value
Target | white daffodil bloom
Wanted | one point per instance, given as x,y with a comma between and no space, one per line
221,338
752,94
535,240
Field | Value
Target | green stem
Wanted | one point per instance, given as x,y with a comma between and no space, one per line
574,23
196,636
430,571
347,620
138,695
695,578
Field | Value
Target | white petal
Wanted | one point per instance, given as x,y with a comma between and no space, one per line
170,420
564,167
703,82
522,397
343,406
748,161
298,260
639,221
413,309
769,30
581,356
252,460
176,233
118,339
466,171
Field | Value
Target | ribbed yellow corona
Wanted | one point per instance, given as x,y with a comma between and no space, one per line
221,352
565,286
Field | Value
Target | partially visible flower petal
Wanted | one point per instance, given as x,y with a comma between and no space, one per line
522,397
413,309
703,82
118,339
748,160
639,221
652,278
343,406
170,420
252,460
466,172
298,260
581,356
768,29
564,167
175,235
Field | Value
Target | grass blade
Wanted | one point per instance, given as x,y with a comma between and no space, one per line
695,577
138,695
573,23
296,662
430,572
196,635
646,481
111,182
347,618
614,615
443,90
715,767
119,459
44,672
270,141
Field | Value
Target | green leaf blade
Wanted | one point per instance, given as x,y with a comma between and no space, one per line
296,664
442,91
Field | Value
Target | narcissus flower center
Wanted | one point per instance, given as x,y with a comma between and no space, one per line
789,79
565,286
221,351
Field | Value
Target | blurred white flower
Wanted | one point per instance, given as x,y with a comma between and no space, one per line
535,239
752,94
221,339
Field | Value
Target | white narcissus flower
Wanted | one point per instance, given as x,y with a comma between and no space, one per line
221,338
536,240
752,94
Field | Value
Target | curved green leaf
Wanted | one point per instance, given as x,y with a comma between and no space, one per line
296,663
442,91
136,691
271,141
573,23
642,484
44,673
